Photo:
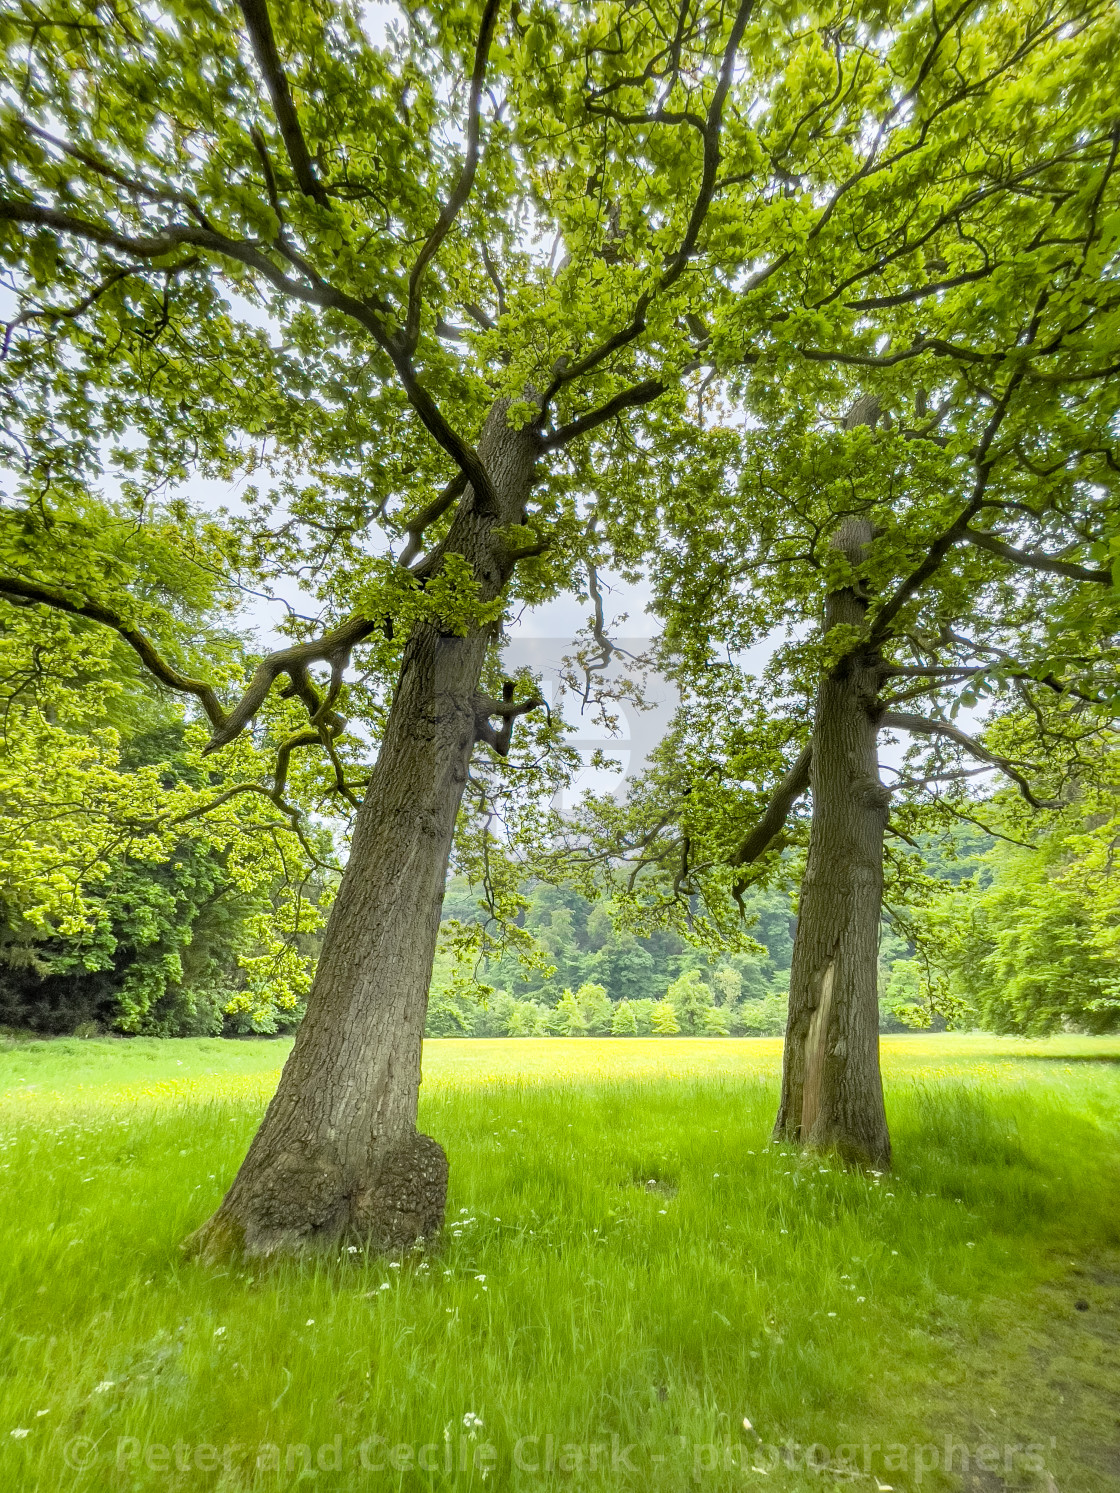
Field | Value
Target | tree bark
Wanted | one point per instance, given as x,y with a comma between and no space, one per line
832,1093
338,1155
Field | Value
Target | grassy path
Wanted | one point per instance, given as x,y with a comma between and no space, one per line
629,1274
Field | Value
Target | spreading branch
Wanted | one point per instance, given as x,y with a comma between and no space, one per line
462,190
711,130
1033,561
369,313
427,516
765,832
920,725
28,593
333,647
639,394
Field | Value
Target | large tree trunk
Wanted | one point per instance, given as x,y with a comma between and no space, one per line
338,1155
832,1093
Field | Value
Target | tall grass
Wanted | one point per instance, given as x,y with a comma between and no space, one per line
626,1257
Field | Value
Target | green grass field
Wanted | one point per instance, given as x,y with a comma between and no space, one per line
635,1290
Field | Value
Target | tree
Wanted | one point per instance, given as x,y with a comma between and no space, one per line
715,1022
428,370
623,1021
728,984
930,518
595,1005
918,605
568,1018
691,999
527,1019
663,1022
625,968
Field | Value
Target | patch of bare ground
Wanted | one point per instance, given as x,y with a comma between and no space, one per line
1042,1385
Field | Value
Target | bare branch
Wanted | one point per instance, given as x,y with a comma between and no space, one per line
485,707
333,647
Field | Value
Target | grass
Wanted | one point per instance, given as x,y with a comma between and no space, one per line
628,1264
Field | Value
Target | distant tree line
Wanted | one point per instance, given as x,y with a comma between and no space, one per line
1005,936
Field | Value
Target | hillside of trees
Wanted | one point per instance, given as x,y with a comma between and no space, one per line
111,922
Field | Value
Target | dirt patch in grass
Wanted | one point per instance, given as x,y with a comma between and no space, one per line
1049,1377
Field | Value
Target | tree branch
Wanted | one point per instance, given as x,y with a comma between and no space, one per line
712,127
462,189
485,706
313,291
640,394
259,25
333,647
759,840
990,542
61,313
951,536
25,593
428,515
920,725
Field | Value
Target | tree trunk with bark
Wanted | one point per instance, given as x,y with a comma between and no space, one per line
832,1093
338,1155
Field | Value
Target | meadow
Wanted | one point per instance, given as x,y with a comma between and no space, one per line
635,1290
